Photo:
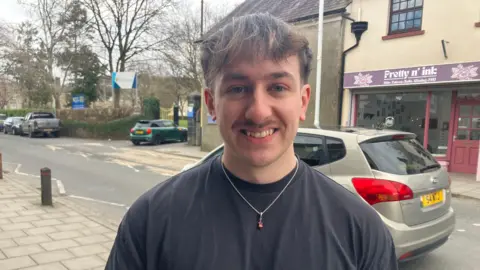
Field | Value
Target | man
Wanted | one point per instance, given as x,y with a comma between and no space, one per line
256,206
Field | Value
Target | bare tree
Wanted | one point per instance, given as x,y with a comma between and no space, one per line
129,28
182,55
51,33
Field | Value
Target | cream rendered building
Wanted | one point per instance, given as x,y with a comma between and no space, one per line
419,64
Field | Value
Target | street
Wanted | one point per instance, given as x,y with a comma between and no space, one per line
109,175
105,175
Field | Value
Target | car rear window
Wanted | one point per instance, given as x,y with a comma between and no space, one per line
142,124
42,115
401,157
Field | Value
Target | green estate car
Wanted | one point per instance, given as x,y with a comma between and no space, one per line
157,132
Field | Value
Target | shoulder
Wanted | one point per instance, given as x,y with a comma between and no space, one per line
349,215
344,205
162,196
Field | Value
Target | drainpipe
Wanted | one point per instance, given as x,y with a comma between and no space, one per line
358,28
316,121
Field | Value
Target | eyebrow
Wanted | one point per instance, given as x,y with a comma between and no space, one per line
240,76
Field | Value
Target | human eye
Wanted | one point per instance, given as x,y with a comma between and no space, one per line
278,88
237,89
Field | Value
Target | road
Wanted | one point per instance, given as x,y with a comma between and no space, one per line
109,175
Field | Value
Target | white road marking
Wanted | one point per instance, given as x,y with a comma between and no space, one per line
85,155
460,230
113,147
60,186
98,201
131,167
53,147
476,224
93,144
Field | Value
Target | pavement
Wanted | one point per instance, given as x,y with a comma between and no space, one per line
64,236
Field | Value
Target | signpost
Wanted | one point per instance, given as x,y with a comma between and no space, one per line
78,101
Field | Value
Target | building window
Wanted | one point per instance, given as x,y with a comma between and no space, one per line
439,126
405,16
407,110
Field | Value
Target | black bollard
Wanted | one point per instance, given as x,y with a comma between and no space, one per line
46,186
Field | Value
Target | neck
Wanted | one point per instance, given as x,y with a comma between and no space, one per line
270,173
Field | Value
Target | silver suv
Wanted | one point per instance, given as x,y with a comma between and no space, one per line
392,172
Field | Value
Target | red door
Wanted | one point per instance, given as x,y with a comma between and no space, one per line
466,137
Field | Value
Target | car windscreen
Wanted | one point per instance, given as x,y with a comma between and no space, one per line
17,120
43,116
401,157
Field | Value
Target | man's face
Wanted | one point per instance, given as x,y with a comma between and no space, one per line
258,107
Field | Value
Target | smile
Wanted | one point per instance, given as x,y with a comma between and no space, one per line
259,134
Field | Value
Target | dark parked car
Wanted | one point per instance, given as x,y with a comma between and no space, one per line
2,119
11,125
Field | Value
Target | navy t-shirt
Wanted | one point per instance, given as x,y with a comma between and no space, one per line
196,220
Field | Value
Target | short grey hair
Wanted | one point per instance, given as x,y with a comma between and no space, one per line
253,37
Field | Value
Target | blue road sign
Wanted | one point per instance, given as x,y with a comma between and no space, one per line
78,101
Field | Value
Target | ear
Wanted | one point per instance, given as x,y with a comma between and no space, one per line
210,102
305,99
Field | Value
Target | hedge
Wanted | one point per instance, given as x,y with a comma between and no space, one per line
23,112
115,130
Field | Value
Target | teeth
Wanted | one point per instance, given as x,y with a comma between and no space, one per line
262,134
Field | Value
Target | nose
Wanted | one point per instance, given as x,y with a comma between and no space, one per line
259,105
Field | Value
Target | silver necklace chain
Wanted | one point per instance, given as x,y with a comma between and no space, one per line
260,213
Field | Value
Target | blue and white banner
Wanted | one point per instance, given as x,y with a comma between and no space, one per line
124,80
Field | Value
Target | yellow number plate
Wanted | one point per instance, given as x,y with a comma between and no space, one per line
139,132
432,198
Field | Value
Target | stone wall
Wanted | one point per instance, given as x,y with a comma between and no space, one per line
94,115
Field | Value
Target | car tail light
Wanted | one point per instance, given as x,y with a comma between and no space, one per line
398,137
149,131
378,190
131,130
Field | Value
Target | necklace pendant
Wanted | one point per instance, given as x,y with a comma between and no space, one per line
260,222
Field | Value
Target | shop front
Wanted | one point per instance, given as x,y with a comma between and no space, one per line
440,104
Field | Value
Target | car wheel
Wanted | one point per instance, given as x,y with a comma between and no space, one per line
136,142
158,140
184,137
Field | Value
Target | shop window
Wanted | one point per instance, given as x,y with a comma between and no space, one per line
440,111
405,16
406,109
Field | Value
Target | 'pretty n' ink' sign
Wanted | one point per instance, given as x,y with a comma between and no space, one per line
414,75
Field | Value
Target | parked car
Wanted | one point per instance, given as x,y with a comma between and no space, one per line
40,123
12,125
392,172
157,132
2,119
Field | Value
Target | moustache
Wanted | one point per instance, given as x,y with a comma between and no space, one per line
249,123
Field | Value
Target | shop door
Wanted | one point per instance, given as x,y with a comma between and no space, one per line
466,137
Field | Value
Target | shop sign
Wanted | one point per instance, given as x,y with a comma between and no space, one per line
448,73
